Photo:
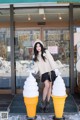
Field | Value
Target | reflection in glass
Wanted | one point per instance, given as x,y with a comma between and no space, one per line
24,40
5,57
55,40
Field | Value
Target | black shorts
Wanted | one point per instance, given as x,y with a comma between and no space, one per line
48,76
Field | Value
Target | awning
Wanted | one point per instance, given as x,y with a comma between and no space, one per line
25,1
38,1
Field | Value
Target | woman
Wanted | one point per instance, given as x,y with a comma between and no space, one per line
44,63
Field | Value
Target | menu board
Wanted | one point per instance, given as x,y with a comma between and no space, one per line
53,49
52,34
27,37
55,40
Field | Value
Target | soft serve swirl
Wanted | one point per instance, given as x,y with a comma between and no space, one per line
30,88
59,88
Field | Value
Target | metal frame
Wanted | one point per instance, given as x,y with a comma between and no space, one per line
13,75
71,25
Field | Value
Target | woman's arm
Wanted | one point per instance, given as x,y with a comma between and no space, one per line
51,60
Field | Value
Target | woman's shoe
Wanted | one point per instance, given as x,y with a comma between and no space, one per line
43,105
47,106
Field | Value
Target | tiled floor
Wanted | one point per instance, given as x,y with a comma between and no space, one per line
5,100
18,106
68,116
46,117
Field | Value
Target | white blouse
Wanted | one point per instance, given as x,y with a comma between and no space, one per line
45,66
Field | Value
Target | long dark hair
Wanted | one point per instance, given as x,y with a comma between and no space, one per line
36,52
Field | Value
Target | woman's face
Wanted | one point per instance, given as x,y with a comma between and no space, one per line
38,47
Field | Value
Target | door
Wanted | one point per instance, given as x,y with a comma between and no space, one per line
53,31
57,42
24,39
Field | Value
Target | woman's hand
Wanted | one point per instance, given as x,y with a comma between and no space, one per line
33,71
57,72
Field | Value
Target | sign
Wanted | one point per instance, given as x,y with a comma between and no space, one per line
76,38
4,115
53,49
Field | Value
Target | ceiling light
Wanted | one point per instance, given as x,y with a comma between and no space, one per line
29,18
44,18
41,11
59,16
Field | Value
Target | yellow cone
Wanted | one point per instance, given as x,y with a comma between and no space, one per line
59,102
31,104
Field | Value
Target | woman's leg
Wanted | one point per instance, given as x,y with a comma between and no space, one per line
45,92
48,97
46,89
49,91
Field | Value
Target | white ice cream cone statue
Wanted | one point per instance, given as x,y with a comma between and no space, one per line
31,105
31,94
59,96
59,103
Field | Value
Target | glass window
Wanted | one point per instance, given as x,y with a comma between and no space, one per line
24,39
5,57
55,40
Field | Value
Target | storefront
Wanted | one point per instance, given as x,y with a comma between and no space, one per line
21,24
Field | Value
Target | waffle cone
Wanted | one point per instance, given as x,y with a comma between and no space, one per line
31,104
59,103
